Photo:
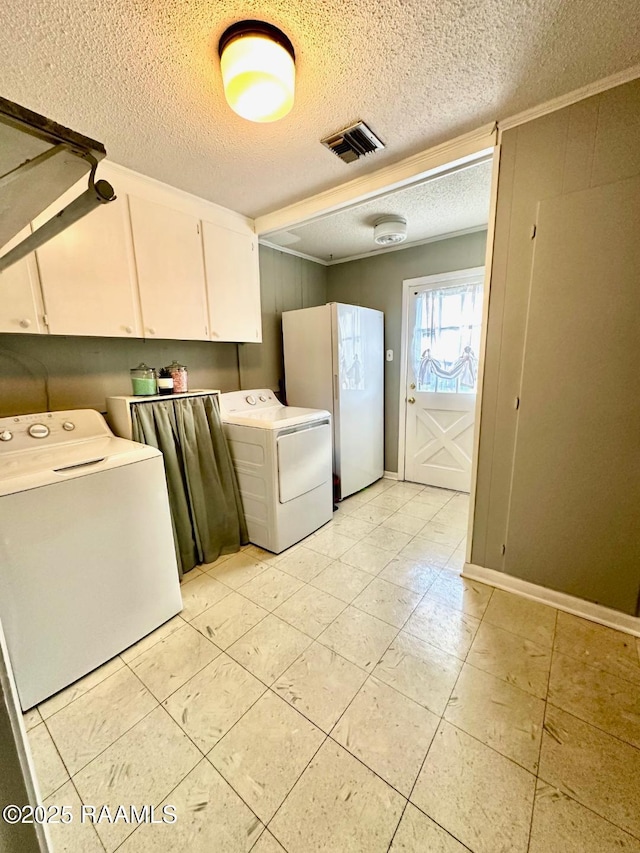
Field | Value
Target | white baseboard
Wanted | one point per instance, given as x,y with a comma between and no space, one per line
568,603
390,475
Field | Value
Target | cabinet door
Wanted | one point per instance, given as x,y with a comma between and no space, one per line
88,274
168,251
233,284
20,297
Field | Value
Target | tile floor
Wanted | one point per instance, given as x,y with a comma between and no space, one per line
356,694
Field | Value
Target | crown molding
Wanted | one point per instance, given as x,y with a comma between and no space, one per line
562,101
289,251
463,149
412,245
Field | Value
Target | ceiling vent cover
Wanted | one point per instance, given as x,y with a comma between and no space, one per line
353,142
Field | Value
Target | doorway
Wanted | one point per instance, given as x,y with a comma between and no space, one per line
442,324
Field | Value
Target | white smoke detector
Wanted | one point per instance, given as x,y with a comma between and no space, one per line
389,230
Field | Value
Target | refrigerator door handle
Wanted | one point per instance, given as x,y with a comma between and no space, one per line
335,386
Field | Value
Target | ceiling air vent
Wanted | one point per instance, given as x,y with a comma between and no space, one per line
353,142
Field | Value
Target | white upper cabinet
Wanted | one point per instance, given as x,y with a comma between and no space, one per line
233,283
20,298
88,273
168,251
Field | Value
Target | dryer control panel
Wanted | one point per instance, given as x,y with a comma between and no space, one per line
246,401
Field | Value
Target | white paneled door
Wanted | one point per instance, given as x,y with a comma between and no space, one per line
443,341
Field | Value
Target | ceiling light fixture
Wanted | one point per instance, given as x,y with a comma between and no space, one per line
389,230
257,61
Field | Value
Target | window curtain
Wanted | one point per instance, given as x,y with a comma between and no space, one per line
446,338
206,510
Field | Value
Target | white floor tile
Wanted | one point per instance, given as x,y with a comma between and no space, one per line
521,616
594,768
380,719
338,805
367,557
604,700
420,671
478,796
211,818
514,659
200,594
358,637
451,630
320,684
269,648
384,600
411,574
77,836
49,766
342,581
227,621
265,752
304,564
501,716
310,610
419,834
171,663
561,825
95,720
214,700
142,767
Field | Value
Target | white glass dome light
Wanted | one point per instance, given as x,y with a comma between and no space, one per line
389,230
257,62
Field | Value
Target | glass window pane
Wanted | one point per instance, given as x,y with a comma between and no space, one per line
446,338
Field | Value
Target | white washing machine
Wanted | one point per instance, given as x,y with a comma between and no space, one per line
87,558
283,460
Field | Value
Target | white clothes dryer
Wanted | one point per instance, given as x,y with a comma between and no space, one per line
283,460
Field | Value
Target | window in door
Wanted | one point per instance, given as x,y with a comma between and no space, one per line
446,338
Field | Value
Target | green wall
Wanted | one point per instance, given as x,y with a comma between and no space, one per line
593,143
286,283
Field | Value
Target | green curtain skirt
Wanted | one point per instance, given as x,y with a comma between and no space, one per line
206,510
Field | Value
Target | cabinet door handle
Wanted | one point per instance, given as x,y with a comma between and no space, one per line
128,329
25,323
151,330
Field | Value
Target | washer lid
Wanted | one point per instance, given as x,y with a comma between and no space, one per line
43,466
277,417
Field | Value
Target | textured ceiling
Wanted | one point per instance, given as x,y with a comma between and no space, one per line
142,77
450,203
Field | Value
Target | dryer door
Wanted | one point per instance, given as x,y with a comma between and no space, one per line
304,461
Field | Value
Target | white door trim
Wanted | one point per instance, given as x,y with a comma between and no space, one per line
488,261
407,284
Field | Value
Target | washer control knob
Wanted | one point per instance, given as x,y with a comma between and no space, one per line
263,399
251,400
6,435
38,431
68,425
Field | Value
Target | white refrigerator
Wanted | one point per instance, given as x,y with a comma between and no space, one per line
334,359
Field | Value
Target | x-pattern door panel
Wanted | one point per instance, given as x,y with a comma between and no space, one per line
441,440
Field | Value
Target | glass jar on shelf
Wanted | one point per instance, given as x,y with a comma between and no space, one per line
143,380
178,373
